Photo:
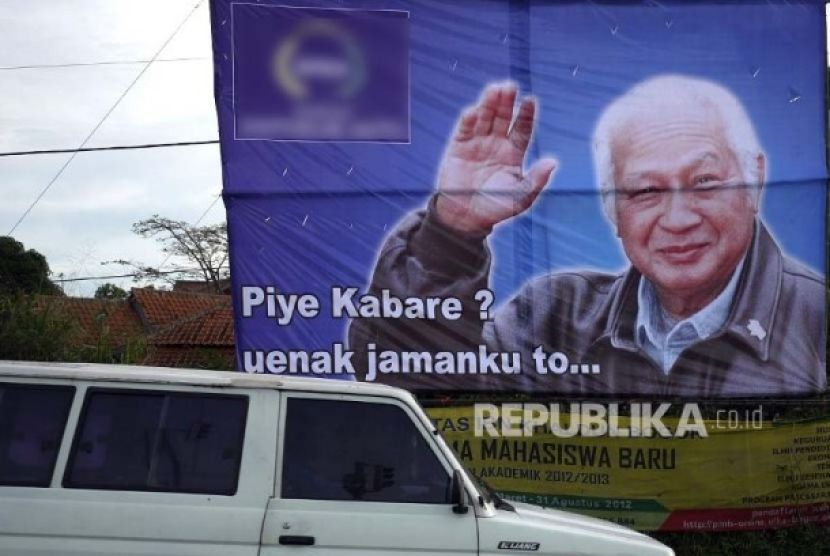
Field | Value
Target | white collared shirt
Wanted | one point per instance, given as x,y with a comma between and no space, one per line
664,338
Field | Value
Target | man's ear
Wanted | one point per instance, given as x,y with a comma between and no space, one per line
760,179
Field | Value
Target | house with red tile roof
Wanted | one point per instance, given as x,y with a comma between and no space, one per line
109,328
154,327
186,329
200,286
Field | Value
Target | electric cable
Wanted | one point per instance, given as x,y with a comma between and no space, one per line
111,148
102,63
101,122
130,275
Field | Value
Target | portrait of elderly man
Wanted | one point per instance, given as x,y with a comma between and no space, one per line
709,306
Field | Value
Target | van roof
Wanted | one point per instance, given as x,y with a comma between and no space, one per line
196,377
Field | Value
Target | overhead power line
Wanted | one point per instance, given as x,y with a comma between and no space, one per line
130,275
101,122
103,63
111,148
218,196
165,272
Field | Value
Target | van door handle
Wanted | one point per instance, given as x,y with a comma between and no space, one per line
296,540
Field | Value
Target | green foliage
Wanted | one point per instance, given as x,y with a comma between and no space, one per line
105,350
213,360
803,541
23,271
110,291
33,329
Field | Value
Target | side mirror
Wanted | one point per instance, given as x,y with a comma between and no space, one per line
459,502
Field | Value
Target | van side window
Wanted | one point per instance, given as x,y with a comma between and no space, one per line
32,421
158,441
342,450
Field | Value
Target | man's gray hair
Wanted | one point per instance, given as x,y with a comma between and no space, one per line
660,97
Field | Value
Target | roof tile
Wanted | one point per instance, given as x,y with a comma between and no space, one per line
185,318
94,316
213,327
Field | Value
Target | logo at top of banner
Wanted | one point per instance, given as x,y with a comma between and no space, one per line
321,57
309,74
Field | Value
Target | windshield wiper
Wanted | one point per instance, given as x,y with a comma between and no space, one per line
498,501
492,495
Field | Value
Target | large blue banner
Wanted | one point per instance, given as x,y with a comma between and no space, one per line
578,198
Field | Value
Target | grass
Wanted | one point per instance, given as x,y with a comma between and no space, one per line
795,541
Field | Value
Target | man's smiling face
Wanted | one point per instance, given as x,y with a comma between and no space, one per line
684,213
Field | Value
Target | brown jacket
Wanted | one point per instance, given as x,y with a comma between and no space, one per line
772,344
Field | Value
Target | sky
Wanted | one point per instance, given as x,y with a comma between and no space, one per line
93,52
102,73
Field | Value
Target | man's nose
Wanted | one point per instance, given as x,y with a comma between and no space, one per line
680,212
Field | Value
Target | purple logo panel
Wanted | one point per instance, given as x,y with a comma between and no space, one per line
310,74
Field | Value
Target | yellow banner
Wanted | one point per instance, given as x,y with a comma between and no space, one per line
736,472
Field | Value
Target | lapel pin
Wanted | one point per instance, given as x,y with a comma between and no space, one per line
755,329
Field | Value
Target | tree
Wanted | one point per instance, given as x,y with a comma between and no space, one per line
110,291
24,271
201,251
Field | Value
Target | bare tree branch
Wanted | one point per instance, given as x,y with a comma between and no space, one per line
203,246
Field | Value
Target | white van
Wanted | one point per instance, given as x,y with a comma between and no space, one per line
100,459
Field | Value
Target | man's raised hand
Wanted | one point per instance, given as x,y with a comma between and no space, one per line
480,180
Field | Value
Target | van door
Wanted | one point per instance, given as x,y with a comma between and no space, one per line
359,475
149,472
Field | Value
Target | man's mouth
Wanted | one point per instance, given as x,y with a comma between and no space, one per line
683,254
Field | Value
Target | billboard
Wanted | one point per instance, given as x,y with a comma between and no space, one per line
581,199
740,471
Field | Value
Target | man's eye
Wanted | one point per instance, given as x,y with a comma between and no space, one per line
642,193
707,182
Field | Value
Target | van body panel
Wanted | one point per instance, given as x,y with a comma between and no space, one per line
76,521
130,374
559,533
355,528
83,522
